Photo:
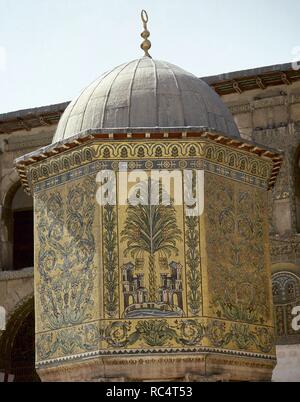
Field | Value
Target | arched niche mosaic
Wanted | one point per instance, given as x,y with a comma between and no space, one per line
286,296
297,187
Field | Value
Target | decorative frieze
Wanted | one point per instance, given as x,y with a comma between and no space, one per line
107,155
282,100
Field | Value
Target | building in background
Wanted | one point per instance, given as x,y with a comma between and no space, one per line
265,103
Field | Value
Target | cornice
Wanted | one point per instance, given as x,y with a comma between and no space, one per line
31,118
23,163
258,78
14,275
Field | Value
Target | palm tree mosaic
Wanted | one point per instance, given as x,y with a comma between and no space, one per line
152,231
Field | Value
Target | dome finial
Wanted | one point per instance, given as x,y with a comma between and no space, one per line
146,45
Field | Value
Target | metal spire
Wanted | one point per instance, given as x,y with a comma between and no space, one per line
146,45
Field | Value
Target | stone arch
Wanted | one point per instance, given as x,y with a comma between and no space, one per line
10,186
16,287
17,359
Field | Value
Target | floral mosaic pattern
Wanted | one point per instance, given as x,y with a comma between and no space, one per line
66,255
156,335
110,261
238,279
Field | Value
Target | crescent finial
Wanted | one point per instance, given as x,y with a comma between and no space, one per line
146,45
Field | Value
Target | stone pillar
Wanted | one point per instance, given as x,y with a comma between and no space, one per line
2,319
223,329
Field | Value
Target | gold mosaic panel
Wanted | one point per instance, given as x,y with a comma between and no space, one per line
111,280
238,267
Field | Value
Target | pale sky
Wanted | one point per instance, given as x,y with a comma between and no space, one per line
51,49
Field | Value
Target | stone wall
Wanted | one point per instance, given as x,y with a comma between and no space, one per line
272,117
15,289
12,146
288,367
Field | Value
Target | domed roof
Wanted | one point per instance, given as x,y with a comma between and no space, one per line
146,93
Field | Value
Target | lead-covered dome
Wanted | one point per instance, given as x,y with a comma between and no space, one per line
146,93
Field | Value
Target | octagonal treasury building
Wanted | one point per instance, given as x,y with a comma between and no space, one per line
148,292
